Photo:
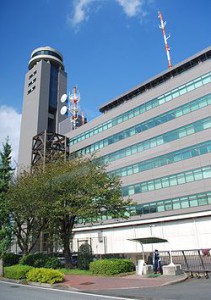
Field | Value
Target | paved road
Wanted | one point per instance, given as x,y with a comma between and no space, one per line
11,291
191,289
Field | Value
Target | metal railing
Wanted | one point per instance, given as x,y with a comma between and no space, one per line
192,261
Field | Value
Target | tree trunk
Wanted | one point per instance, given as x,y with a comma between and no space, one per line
67,253
66,228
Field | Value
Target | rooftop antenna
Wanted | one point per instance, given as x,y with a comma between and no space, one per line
162,26
71,106
74,108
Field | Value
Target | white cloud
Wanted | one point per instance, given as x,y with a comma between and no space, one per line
10,122
132,7
82,9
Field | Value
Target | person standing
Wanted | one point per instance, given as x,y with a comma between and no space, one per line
156,261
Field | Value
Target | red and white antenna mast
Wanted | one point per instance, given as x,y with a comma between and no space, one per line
162,26
74,108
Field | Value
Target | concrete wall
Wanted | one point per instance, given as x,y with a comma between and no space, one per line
188,233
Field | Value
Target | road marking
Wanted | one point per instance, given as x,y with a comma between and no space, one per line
64,291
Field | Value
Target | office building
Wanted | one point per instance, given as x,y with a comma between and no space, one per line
157,138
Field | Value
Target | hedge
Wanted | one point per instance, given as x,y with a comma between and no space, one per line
34,260
111,266
16,271
43,275
10,259
40,260
53,263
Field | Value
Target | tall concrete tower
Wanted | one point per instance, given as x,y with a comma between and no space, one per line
45,83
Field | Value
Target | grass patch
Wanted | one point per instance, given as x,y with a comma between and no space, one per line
153,275
75,272
124,274
89,273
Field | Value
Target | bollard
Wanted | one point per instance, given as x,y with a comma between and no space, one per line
172,269
1,268
140,266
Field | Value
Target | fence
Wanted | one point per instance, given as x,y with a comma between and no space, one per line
192,261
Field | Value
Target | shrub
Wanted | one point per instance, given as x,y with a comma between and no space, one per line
111,266
10,259
115,255
35,260
16,271
84,256
40,260
53,263
42,275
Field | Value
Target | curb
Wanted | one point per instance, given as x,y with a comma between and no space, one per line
37,284
175,281
46,285
63,286
24,282
20,281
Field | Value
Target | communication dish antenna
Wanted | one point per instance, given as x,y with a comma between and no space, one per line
64,98
63,110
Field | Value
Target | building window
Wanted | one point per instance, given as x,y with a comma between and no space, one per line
31,75
167,181
173,204
184,202
172,135
163,160
202,80
31,82
47,52
31,90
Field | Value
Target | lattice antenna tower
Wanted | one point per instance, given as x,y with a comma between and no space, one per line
71,105
162,27
74,107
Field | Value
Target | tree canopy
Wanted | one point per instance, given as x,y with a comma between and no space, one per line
6,172
29,207
63,193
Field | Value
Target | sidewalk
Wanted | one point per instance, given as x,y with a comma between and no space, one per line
88,283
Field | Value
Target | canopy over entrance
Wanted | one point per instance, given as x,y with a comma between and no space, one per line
149,240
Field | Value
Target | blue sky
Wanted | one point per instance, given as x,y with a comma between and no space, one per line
109,46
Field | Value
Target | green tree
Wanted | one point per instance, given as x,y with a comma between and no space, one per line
81,189
29,207
6,172
84,256
55,199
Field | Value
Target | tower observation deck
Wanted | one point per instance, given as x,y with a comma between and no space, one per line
48,54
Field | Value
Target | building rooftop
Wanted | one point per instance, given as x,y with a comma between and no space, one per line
160,78
46,53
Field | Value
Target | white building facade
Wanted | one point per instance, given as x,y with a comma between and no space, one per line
157,138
